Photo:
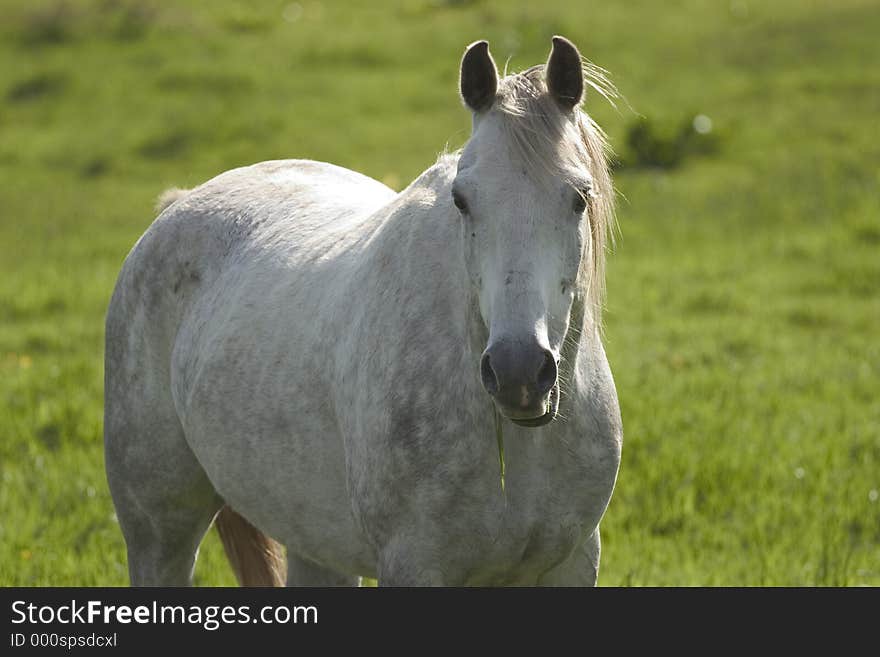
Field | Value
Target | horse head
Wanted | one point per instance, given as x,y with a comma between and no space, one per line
533,194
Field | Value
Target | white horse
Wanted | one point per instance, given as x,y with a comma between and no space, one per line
337,366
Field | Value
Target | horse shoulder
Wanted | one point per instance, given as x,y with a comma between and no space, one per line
594,431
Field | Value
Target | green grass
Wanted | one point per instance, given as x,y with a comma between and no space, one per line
743,306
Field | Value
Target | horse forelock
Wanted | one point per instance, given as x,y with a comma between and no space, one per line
550,144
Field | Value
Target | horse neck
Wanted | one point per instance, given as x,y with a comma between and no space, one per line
440,223
418,241
581,335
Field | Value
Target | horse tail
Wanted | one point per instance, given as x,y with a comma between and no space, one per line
256,559
169,196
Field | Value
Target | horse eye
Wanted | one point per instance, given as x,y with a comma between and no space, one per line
580,202
459,202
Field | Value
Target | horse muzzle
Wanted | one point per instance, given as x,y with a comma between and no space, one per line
522,379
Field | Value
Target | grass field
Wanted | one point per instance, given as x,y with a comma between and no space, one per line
743,309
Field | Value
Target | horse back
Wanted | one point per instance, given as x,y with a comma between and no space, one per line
202,231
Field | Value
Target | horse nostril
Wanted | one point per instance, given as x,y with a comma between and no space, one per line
547,373
490,380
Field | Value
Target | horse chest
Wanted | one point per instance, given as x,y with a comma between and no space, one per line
450,503
549,506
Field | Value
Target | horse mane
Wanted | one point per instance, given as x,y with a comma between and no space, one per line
549,145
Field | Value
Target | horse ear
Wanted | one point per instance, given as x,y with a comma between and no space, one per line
479,77
564,73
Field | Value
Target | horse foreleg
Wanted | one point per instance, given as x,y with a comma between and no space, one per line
580,569
301,572
412,563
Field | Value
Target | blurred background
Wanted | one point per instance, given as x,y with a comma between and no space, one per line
743,306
